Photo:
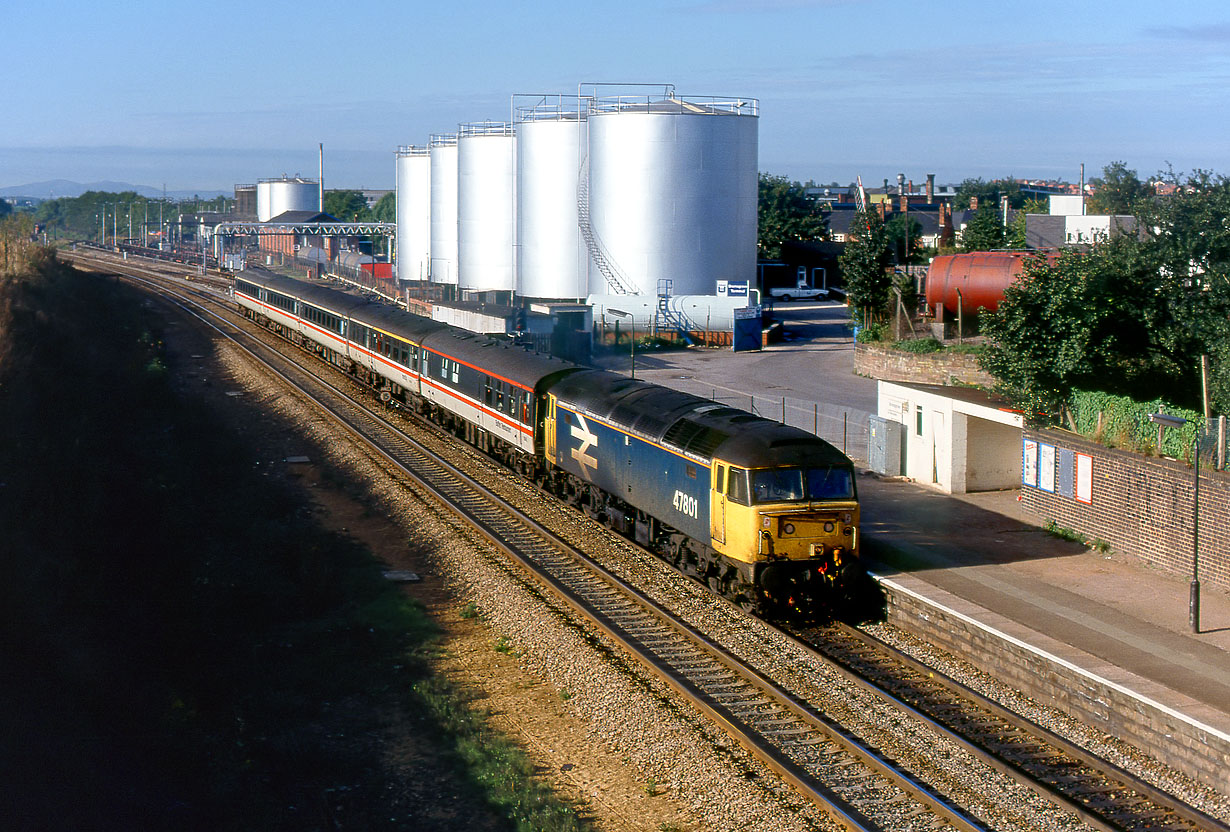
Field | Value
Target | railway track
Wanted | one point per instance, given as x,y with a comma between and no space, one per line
858,786
1103,795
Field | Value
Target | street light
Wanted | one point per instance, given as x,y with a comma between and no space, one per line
1164,421
632,334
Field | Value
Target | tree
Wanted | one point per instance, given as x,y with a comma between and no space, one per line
1188,250
386,209
1062,326
1132,317
346,205
904,231
984,231
988,193
865,261
1014,234
1117,191
785,213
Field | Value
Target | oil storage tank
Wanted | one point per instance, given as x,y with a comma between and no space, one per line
672,191
443,153
275,197
485,206
413,213
552,259
981,278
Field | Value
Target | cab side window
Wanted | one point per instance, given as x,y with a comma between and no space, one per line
719,480
736,486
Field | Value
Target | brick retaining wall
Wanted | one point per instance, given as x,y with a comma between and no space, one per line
1186,745
1142,506
919,368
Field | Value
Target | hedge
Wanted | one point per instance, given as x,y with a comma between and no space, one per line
1125,423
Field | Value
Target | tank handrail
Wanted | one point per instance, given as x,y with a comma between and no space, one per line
549,107
486,128
690,104
412,150
442,140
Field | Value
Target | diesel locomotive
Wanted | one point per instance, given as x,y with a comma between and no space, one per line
767,515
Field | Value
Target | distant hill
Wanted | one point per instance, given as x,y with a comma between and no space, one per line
63,187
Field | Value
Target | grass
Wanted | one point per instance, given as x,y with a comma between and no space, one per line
182,643
1063,533
501,768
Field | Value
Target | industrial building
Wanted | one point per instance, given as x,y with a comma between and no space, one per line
599,195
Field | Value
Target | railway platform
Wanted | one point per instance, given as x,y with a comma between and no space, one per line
1114,617
983,558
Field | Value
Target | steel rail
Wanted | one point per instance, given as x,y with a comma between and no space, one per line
1190,814
739,729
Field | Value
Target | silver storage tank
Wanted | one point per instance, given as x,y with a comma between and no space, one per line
443,148
486,221
672,193
552,259
413,213
287,193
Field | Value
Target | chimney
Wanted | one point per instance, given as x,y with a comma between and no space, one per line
905,203
880,207
930,188
973,203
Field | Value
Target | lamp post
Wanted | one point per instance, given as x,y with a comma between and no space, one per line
1193,602
1164,421
631,334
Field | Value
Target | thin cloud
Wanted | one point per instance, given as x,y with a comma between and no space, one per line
758,6
1215,33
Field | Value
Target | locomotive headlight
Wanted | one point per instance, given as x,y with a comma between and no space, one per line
829,526
788,528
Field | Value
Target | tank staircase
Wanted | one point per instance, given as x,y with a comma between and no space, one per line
616,281
671,318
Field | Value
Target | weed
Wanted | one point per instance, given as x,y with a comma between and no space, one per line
503,645
565,694
651,787
470,610
1063,533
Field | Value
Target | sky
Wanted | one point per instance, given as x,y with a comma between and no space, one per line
204,96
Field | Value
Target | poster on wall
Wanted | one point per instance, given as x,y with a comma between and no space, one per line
1084,479
1029,463
1046,467
1065,472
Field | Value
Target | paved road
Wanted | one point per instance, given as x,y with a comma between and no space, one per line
811,370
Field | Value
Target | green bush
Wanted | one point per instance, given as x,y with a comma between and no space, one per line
919,345
1125,423
871,334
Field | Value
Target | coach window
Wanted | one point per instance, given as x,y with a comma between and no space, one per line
489,395
499,396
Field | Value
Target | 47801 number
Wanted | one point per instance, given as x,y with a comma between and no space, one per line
686,504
